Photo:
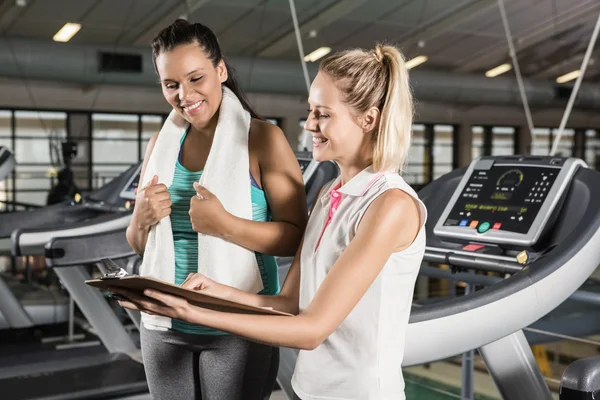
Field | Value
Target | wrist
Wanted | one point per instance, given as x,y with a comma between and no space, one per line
192,314
225,292
137,224
229,224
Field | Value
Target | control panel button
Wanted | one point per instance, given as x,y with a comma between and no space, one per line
484,227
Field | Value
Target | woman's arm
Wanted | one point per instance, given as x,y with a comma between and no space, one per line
281,179
390,224
282,182
286,300
137,233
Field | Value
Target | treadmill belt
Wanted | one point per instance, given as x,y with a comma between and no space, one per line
106,380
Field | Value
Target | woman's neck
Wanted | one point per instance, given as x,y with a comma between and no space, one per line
349,171
208,129
352,166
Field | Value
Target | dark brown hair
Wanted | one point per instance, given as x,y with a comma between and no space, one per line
183,32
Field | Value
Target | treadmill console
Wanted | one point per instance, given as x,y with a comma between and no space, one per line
506,200
129,191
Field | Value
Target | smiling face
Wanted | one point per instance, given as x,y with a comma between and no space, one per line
339,134
191,83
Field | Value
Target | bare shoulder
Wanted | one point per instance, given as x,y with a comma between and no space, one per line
268,141
264,133
394,213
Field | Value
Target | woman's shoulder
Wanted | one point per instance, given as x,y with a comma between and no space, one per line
265,137
263,130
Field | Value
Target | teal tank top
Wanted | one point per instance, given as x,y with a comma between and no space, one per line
185,238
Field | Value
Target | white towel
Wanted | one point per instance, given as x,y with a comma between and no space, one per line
227,175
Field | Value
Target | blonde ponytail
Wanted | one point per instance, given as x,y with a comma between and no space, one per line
378,78
395,128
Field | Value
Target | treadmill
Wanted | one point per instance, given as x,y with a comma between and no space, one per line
43,307
535,220
117,371
101,201
26,305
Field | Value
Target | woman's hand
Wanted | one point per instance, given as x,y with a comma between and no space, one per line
207,214
201,283
160,303
152,204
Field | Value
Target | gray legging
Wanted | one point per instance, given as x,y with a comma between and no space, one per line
182,366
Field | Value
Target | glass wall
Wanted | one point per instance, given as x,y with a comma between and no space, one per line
477,140
151,125
541,142
592,148
503,140
544,138
493,140
6,141
107,144
5,129
114,145
566,144
417,166
443,150
38,135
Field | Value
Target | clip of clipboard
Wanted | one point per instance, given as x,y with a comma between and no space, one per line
113,270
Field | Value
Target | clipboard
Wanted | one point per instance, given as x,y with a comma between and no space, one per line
118,278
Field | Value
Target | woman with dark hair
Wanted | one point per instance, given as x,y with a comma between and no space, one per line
181,227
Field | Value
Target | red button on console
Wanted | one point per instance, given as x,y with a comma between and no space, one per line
473,247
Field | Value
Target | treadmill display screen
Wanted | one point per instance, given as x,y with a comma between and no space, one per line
503,198
129,192
133,186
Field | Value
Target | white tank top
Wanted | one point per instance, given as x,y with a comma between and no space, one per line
362,358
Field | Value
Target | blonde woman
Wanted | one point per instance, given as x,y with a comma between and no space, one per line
350,286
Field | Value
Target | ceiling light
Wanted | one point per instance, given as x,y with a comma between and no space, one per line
568,77
415,61
66,32
318,53
500,69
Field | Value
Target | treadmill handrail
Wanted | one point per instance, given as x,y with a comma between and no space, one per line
473,261
582,376
432,249
56,214
32,241
74,250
